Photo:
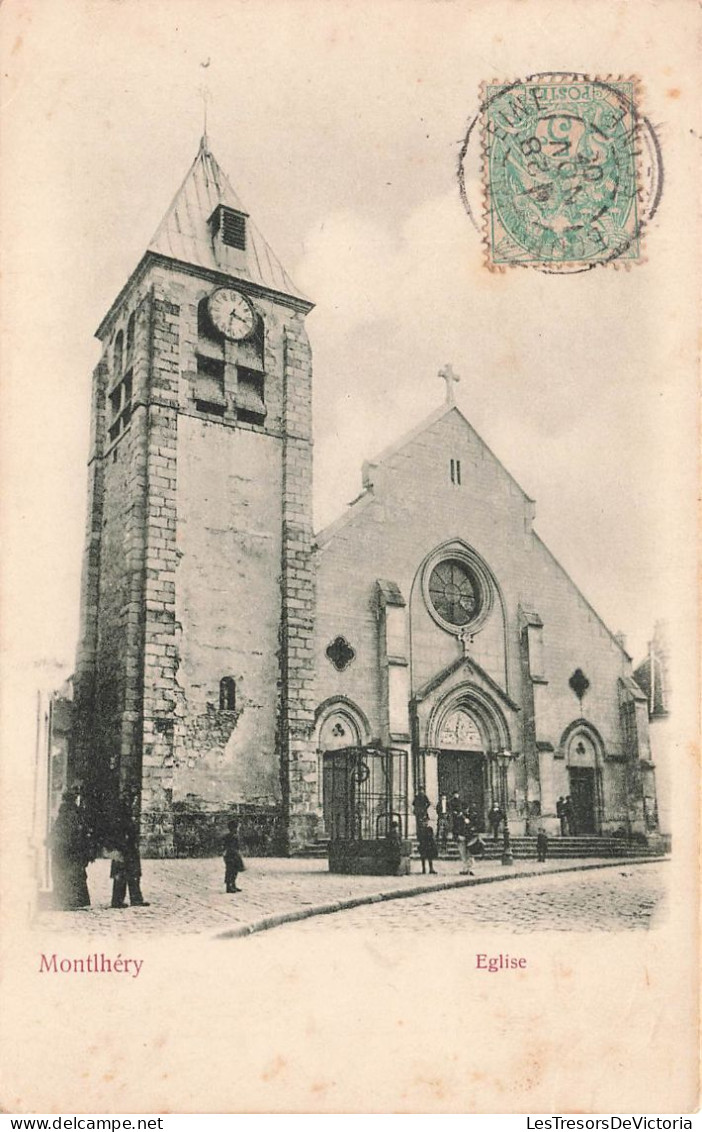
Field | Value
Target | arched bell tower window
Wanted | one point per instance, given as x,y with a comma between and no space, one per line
227,694
130,334
117,356
209,389
120,393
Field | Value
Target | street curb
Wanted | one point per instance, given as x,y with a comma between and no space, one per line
278,918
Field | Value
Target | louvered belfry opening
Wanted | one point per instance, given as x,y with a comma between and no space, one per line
231,226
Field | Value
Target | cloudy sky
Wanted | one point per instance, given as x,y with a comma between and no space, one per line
340,127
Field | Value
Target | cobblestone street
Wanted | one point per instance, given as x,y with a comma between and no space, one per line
619,899
187,896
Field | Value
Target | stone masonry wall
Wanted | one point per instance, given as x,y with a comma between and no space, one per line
297,758
160,657
83,761
109,656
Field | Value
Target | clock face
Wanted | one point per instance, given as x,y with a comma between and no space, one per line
232,313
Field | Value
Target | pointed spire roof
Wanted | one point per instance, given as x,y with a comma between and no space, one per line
185,232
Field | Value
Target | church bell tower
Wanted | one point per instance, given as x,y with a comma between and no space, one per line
194,671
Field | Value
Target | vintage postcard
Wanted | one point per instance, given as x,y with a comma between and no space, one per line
349,466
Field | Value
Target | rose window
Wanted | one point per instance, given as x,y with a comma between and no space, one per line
454,592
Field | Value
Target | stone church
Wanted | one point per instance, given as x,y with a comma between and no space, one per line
233,662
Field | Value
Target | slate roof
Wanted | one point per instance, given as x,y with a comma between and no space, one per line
185,236
184,233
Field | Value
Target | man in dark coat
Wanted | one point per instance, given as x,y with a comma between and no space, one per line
126,865
569,815
420,808
427,846
393,850
233,863
560,814
455,807
70,855
495,817
541,845
442,821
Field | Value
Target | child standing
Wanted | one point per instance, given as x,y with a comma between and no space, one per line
427,846
541,845
233,863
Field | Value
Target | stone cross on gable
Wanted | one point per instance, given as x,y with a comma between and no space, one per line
447,375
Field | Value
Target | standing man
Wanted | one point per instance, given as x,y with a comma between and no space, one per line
70,855
455,807
495,817
126,866
420,808
463,833
442,822
233,862
560,814
394,849
569,814
427,846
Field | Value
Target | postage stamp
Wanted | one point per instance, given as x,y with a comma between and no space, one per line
560,172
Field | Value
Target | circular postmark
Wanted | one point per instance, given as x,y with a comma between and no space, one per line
567,170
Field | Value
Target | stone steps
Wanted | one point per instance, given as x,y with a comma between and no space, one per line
524,848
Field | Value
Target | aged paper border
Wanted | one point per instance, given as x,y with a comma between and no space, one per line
278,1024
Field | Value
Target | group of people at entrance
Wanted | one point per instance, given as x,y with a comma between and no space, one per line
74,845
566,815
453,819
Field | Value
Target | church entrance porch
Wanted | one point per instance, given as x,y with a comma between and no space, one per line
464,745
465,773
582,796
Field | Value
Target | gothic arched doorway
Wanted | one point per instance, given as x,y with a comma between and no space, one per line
341,729
583,752
462,765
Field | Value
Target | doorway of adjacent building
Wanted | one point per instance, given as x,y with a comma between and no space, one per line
582,795
464,771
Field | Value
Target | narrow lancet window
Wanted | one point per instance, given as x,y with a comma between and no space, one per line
227,694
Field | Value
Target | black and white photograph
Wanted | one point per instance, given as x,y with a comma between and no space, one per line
349,458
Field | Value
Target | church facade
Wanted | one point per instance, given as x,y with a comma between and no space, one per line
233,663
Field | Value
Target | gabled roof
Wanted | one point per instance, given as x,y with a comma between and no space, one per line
434,418
185,235
352,509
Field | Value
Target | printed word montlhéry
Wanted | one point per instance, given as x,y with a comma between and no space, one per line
96,964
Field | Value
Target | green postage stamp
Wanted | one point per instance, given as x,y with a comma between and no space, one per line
560,172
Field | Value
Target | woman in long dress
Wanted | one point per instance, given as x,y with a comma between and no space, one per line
70,856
